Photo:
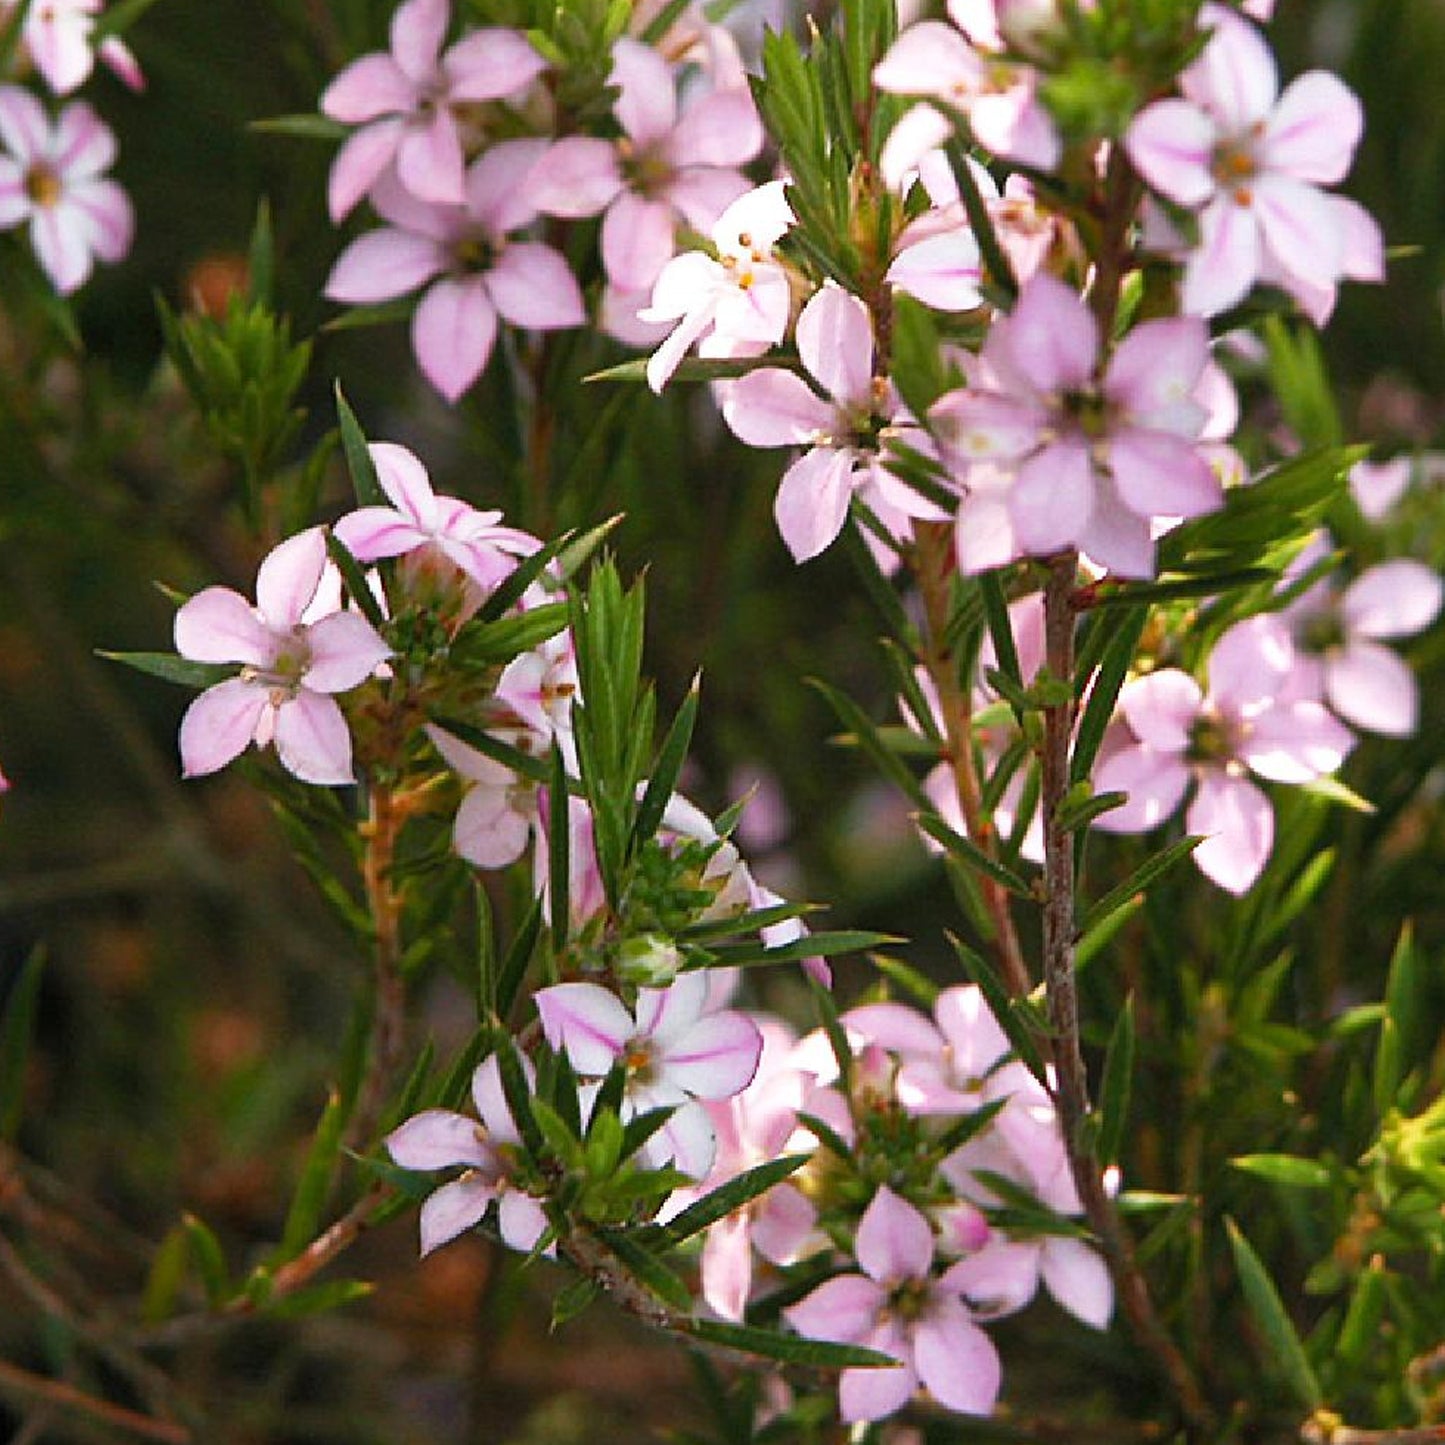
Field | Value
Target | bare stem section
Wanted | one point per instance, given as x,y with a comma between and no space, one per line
1071,1085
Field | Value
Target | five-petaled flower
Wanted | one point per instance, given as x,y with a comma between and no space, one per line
296,649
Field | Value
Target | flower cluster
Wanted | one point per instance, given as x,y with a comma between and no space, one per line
471,159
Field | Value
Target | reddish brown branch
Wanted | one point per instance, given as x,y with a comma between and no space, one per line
57,1393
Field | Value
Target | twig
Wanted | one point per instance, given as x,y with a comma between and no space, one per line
57,1393
1071,1089
1324,1428
931,567
389,1021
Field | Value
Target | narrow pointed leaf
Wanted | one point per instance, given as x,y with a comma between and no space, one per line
358,458
170,668
1116,1085
303,1220
732,1196
789,1349
1285,1353
1139,881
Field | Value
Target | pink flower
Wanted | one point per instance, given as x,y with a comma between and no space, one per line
498,810
754,1127
52,177
898,1307
1377,486
772,407
664,168
675,1054
477,269
1178,733
296,649
962,68
441,1139
57,37
1251,162
736,305
411,104
420,521
1340,634
1054,455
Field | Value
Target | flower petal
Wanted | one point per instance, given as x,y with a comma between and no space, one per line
893,1242
439,1139
956,1360
453,1209
219,725
1238,827
587,1021
219,625
289,576
812,501
453,331
312,740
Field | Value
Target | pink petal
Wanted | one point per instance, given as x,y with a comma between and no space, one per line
102,212
894,1027
1219,274
1156,474
60,47
720,129
985,536
872,1394
666,1014
219,625
1154,373
405,481
999,1280
702,195
219,725
84,146
1171,144
668,356
973,1034
812,501
716,1058
24,125
417,31
1295,742
727,1266
1078,1279
1250,662
1117,539
288,577
489,831
371,533
1377,486
956,1360
499,197
1053,497
60,247
894,1241
842,1310
929,59
1238,827
782,1223
1050,337
345,650
430,162
1393,599
687,1140
587,1021
1234,78
452,333
943,271
647,106
1012,124
359,164
1155,783
491,1099
1162,708
521,1220
977,426
577,176
453,1209
532,286
1313,131
835,342
1372,688
489,64
775,408
439,1139
384,264
1299,229
637,241
312,740
368,88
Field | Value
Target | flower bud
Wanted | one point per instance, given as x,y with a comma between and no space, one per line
650,960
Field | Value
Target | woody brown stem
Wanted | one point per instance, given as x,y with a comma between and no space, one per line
1071,1083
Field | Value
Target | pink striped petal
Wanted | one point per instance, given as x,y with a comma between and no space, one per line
453,1209
894,1241
587,1021
439,1139
385,264
24,125
812,502
1171,144
956,1360
219,724
452,333
219,625
1312,132
716,1058
1220,272
312,740
666,1014
1235,78
835,342
1075,1275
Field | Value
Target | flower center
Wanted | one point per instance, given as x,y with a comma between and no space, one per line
43,186
908,1299
476,253
1213,739
637,1059
1322,633
284,672
646,171
1235,165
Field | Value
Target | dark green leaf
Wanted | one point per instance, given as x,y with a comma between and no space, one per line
790,1349
738,1191
1139,881
307,126
663,782
303,1220
1116,1086
519,762
170,668
364,480
1286,1169
972,856
1284,1352
355,580
647,1269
